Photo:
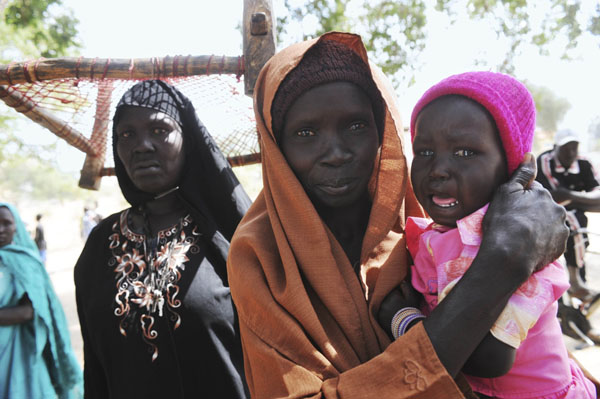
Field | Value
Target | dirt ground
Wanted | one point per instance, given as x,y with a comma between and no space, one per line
64,245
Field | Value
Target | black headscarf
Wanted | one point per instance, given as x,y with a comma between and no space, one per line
208,186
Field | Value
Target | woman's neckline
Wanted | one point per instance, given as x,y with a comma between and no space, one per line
127,226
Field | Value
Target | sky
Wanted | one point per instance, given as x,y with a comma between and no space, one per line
149,28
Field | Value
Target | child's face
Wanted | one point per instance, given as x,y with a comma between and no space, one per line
330,141
458,160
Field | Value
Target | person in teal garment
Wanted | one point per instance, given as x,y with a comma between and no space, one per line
36,357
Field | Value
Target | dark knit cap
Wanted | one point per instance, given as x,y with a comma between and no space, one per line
327,61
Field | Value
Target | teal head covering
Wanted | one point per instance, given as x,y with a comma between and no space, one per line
50,327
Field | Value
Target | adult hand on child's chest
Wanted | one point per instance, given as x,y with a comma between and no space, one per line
524,225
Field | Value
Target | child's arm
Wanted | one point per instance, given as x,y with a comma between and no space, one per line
495,356
492,358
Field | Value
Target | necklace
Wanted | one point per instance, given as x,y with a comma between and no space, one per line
166,192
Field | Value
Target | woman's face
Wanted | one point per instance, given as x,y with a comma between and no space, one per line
7,226
330,141
150,145
459,159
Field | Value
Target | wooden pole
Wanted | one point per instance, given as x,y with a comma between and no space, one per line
92,167
107,68
259,39
14,99
236,160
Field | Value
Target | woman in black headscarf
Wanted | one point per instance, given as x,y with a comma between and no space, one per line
152,293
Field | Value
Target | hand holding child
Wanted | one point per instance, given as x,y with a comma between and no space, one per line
532,236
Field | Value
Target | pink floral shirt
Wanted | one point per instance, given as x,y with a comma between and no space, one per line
542,368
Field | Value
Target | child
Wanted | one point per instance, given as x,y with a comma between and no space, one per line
470,132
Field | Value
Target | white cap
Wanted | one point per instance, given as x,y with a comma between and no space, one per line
565,136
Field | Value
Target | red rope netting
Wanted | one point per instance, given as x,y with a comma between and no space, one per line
86,105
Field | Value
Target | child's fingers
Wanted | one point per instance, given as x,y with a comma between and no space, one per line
525,174
411,296
406,288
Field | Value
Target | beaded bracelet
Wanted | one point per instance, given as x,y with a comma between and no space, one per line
398,317
402,320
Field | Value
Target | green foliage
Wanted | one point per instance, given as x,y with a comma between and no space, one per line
37,28
32,29
550,108
3,122
9,144
513,20
392,30
330,14
29,172
594,25
26,12
395,32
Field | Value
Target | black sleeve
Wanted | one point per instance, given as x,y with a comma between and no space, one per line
39,236
589,176
93,376
95,384
540,177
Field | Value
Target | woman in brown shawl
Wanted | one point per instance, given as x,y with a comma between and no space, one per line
308,292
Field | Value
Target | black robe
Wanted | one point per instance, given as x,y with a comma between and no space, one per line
200,357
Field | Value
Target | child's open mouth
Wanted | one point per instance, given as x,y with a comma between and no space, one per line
444,202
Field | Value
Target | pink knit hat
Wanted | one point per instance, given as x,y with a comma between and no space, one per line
506,99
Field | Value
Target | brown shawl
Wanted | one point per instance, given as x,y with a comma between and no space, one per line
307,321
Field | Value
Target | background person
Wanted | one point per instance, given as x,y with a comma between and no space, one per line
572,182
323,244
36,357
89,220
153,299
39,238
